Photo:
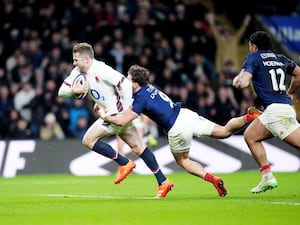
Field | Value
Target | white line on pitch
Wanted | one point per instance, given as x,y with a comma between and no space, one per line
93,196
286,203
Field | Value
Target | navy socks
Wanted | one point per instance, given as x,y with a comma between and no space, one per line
107,151
152,164
148,157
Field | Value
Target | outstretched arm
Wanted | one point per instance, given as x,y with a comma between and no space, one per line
68,88
242,29
210,18
65,90
121,119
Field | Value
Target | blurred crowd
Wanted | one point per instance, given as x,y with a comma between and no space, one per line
173,39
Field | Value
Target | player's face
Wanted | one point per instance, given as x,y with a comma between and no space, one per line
252,47
80,61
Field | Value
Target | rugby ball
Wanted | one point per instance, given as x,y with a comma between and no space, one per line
79,78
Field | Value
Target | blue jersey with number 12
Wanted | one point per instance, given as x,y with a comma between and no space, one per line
156,105
269,71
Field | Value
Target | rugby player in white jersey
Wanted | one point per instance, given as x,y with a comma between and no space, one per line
111,90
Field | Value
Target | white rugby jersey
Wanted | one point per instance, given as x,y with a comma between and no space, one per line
107,87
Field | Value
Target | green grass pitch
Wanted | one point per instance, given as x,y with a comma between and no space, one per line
66,199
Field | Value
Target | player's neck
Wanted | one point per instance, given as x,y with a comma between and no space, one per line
136,89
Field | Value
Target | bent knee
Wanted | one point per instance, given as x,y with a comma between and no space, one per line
136,146
88,142
138,149
181,162
250,139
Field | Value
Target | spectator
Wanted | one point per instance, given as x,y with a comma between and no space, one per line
21,130
41,43
22,100
6,106
3,78
199,66
61,111
38,107
129,58
226,105
81,127
227,41
21,70
78,109
138,40
179,52
51,130
35,54
118,53
2,55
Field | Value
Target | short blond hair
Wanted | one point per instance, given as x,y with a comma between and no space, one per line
84,49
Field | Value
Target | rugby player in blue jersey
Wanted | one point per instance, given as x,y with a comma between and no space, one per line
180,124
268,72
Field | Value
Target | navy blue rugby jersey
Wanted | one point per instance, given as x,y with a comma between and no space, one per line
156,105
269,72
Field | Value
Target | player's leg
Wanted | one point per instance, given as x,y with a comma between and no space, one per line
120,145
95,132
196,169
180,136
232,126
193,167
293,138
254,135
187,125
278,120
290,125
92,140
201,126
235,124
132,138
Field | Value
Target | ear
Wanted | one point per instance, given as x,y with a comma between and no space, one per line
134,84
254,47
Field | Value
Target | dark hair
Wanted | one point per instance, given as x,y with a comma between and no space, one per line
262,40
139,75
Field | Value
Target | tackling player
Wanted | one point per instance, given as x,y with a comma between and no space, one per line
179,123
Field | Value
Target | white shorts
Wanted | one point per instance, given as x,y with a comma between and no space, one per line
280,119
112,128
187,125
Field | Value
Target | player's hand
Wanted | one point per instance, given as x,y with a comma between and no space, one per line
102,113
96,108
236,82
80,87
